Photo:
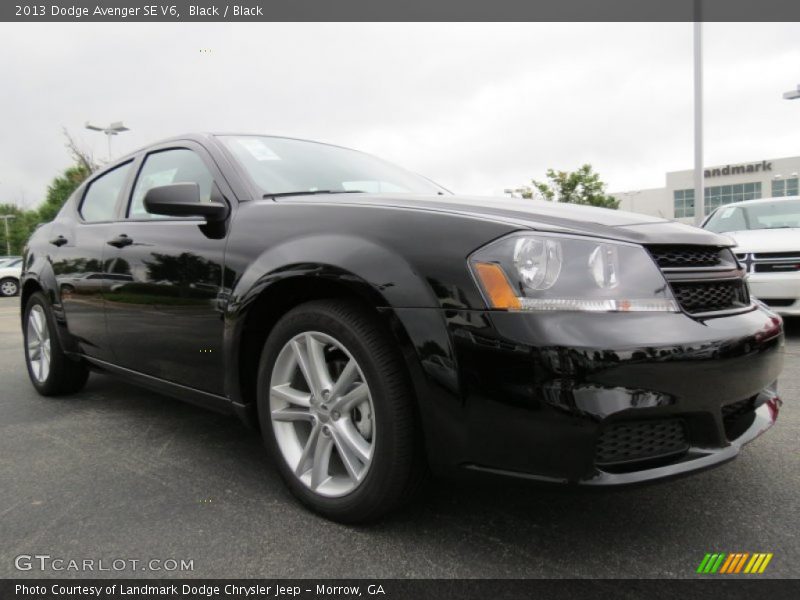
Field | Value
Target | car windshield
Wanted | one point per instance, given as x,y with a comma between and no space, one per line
283,166
781,214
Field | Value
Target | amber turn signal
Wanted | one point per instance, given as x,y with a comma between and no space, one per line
496,285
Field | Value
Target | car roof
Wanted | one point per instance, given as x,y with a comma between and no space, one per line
761,201
195,137
206,135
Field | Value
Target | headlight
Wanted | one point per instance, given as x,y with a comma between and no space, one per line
556,272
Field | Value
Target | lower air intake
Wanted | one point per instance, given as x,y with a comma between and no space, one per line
627,443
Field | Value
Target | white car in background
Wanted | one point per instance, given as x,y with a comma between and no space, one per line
9,277
7,260
767,234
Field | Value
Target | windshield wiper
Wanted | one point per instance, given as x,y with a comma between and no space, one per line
311,193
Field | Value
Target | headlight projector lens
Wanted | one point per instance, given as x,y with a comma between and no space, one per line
538,261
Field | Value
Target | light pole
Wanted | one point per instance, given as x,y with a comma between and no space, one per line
7,218
792,94
114,128
699,200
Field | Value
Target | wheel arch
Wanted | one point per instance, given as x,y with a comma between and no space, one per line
322,266
253,324
28,287
39,277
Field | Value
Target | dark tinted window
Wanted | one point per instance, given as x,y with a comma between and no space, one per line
100,201
163,168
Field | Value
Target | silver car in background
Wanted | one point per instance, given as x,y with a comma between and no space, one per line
767,234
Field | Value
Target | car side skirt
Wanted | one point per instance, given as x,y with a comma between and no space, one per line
213,402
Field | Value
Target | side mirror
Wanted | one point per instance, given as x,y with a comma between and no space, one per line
183,200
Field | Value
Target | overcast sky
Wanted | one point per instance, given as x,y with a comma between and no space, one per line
476,107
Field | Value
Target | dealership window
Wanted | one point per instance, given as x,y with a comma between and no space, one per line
785,187
684,203
725,194
717,196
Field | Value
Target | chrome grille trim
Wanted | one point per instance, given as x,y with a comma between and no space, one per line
751,259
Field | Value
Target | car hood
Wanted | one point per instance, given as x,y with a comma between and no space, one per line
539,215
766,240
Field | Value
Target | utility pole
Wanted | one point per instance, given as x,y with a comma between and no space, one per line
114,128
7,218
699,199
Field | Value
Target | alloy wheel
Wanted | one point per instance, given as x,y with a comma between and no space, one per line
322,414
38,341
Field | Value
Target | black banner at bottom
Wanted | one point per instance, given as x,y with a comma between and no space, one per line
394,589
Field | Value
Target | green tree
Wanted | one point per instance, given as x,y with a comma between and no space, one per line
26,221
18,229
60,189
583,186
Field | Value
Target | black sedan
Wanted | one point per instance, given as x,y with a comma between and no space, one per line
376,327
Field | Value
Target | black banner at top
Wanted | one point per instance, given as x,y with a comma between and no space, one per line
397,10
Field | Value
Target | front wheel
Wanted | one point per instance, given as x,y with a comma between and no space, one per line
336,408
51,371
9,287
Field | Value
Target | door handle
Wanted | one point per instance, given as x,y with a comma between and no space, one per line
58,241
120,241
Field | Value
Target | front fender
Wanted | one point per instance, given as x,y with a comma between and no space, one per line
377,272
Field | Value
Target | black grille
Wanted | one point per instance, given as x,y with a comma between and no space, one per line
709,296
703,279
635,441
778,302
737,417
675,257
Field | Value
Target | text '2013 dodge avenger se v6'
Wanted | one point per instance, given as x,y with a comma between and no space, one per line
375,326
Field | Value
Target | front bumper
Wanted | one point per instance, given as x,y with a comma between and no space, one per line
535,395
780,291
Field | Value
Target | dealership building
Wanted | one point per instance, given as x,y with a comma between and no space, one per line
765,178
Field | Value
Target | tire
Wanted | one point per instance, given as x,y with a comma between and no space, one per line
9,287
375,458
61,374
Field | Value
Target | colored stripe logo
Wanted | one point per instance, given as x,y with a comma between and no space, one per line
734,563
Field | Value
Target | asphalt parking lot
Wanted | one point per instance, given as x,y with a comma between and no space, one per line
121,473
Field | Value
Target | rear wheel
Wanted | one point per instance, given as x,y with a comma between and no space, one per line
337,411
9,287
51,371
